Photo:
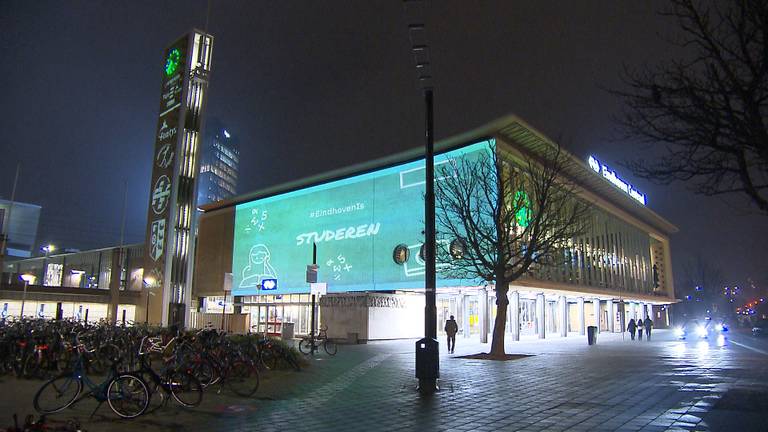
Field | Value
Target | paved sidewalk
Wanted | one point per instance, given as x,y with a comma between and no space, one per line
617,384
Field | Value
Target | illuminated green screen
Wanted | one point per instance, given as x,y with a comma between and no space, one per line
356,223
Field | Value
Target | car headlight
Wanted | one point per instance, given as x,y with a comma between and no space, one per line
719,327
679,331
701,331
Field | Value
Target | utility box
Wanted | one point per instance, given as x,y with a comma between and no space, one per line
591,335
427,359
287,331
353,338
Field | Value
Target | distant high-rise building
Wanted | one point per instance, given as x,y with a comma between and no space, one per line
219,164
18,225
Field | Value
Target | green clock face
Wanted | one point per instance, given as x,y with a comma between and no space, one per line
172,62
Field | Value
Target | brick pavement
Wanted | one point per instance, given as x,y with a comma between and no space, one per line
567,385
616,385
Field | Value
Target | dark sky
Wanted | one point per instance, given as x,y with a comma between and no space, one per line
309,86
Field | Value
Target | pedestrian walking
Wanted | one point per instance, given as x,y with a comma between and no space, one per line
648,325
631,327
639,329
451,328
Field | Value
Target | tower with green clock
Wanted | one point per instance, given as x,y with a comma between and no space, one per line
167,277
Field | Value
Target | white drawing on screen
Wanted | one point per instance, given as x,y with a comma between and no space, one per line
258,267
339,265
257,221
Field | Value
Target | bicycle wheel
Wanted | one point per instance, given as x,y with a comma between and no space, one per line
185,388
305,346
204,371
330,347
276,357
57,394
128,396
109,354
243,378
265,360
31,367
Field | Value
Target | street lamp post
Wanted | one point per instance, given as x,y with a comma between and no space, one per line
27,278
427,348
149,281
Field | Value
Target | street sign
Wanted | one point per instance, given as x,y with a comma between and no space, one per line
312,273
268,284
318,289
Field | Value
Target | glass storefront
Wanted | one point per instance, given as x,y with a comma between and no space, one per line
269,312
90,312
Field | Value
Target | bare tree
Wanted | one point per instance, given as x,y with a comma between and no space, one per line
707,112
502,214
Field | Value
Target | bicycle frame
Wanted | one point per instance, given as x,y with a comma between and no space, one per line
98,391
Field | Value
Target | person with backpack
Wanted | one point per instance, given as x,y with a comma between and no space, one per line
451,328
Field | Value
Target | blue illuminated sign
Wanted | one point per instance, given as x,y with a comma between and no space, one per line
615,180
268,284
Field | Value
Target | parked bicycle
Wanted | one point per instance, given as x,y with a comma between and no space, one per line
177,383
126,393
308,344
213,358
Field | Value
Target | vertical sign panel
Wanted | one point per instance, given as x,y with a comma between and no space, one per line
165,155
185,70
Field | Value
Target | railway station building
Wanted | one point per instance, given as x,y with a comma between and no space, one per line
367,221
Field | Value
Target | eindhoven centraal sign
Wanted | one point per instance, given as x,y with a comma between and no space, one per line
164,161
615,180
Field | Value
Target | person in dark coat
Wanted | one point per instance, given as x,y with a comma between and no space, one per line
451,328
639,329
631,327
648,325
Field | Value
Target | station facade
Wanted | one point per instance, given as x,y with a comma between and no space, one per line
367,221
94,285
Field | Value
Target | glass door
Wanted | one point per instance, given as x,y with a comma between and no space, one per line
527,317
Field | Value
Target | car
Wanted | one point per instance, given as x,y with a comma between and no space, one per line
760,328
717,325
700,329
692,329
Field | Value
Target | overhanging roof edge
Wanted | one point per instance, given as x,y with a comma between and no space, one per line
491,129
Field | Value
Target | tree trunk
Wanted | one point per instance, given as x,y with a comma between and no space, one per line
499,325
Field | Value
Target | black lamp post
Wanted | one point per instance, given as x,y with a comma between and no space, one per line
427,349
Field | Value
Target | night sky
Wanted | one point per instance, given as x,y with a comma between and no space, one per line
310,86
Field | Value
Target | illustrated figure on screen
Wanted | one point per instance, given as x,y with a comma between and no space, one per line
258,267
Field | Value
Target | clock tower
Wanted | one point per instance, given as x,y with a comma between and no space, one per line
172,200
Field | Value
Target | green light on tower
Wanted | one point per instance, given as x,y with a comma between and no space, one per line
172,62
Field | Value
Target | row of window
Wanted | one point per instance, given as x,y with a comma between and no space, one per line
230,152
